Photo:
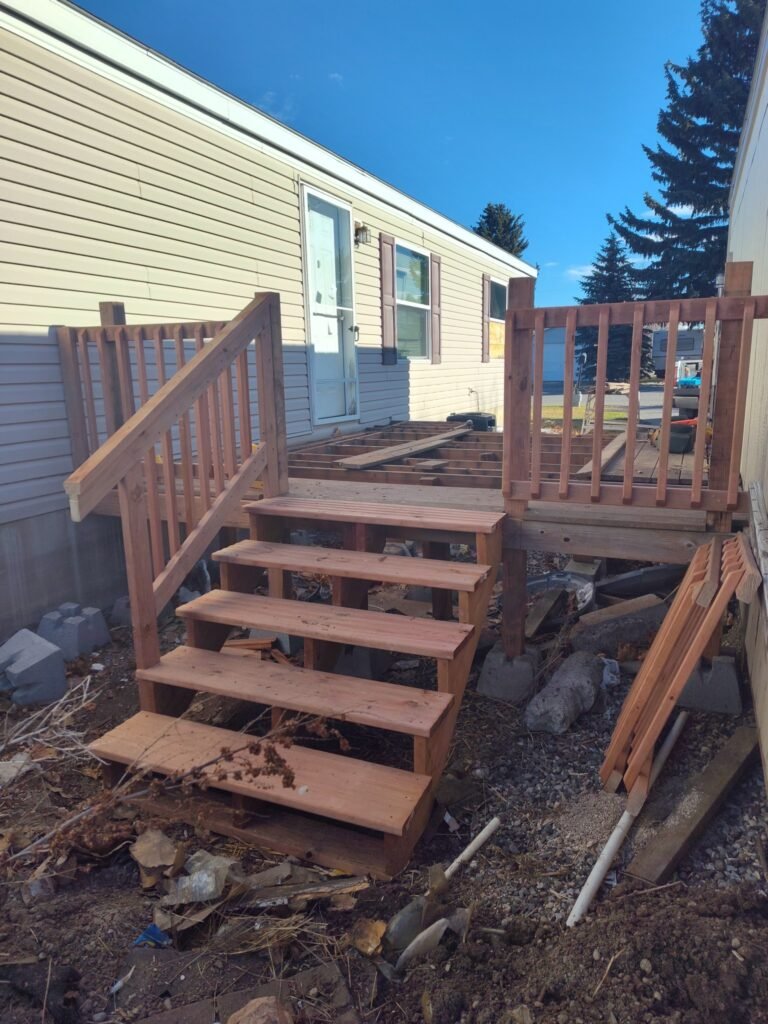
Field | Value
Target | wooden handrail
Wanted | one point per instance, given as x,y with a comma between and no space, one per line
129,444
657,311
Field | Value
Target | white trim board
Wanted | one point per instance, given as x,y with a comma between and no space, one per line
80,37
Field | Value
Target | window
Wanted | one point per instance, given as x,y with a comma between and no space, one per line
412,295
496,314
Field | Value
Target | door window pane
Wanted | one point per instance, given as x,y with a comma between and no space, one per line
330,255
498,301
412,276
412,332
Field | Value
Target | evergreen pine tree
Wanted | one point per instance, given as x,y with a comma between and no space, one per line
611,280
502,227
683,232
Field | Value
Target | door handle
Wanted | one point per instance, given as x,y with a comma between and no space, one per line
356,331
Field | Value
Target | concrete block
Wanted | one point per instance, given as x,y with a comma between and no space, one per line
588,568
75,630
715,689
32,669
121,611
511,680
364,663
570,692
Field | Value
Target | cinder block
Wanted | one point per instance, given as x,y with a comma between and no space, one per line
76,632
715,689
511,680
32,669
121,612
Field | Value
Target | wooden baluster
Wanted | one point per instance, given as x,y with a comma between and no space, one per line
707,362
228,417
568,382
214,407
271,390
538,397
202,422
90,405
742,381
635,366
604,323
666,409
169,472
73,395
185,438
150,463
124,375
244,405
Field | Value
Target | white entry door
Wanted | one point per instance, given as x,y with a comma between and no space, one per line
330,307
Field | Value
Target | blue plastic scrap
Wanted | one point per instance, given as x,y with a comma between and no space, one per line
155,938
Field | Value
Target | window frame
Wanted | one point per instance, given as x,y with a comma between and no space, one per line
401,243
505,286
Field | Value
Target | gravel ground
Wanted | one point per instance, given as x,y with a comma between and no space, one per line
693,952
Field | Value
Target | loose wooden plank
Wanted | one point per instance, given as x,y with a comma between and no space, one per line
610,452
617,611
358,565
544,605
454,520
404,633
400,451
402,709
357,792
699,804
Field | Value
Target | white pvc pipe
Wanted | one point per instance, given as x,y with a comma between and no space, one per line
473,847
621,831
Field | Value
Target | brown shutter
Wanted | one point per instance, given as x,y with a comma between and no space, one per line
388,306
486,317
435,300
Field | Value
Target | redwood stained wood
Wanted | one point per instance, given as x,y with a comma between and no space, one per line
325,622
73,394
567,440
270,382
391,453
536,410
166,447
403,709
327,784
600,380
150,464
700,445
634,401
742,380
666,412
729,308
185,440
360,565
90,404
203,426
644,495
454,520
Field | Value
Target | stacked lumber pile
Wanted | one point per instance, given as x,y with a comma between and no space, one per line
717,571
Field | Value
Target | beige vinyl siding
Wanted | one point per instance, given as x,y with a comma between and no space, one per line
106,193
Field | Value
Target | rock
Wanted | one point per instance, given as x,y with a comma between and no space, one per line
266,1010
511,680
604,636
571,691
521,1015
32,669
645,966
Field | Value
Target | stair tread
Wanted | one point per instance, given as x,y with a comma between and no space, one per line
379,514
360,565
407,634
405,709
334,786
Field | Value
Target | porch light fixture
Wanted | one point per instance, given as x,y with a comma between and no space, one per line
362,233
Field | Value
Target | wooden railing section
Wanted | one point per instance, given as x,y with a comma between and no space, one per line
183,457
728,323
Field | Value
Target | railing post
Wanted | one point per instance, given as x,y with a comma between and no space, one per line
138,559
516,459
270,382
112,314
738,282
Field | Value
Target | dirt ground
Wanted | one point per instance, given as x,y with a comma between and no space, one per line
691,952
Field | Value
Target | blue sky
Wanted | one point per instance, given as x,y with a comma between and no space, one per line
543,106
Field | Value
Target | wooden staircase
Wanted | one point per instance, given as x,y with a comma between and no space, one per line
340,811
